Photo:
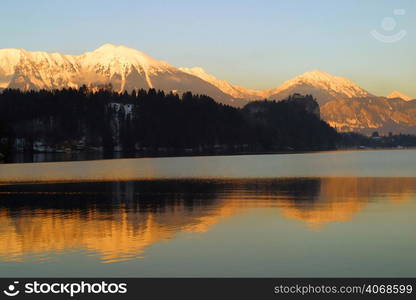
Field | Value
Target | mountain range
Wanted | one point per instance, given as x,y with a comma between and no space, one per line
343,103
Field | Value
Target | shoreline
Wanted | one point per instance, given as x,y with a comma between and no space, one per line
79,156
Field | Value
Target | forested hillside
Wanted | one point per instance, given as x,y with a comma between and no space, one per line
103,120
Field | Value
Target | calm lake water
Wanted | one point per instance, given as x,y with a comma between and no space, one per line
328,214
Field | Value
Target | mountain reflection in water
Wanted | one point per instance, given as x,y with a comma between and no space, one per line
118,221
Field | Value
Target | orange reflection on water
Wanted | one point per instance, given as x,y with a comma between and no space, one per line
115,236
124,232
342,198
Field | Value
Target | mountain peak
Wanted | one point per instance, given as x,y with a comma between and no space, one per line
119,56
397,94
316,73
337,87
119,50
108,47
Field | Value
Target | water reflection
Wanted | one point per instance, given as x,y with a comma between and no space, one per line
118,221
341,198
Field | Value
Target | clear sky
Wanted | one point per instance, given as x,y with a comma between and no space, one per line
257,44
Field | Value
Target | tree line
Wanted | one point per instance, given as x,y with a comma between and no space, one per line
152,120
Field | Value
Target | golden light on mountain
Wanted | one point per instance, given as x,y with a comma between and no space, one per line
399,95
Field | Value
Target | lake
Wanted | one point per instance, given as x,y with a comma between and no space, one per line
323,214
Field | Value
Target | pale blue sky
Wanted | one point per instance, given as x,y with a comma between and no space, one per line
258,44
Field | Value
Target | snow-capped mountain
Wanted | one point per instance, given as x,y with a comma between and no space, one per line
343,103
399,95
123,67
129,69
323,86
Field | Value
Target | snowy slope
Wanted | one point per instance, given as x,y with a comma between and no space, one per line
228,88
28,70
399,95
